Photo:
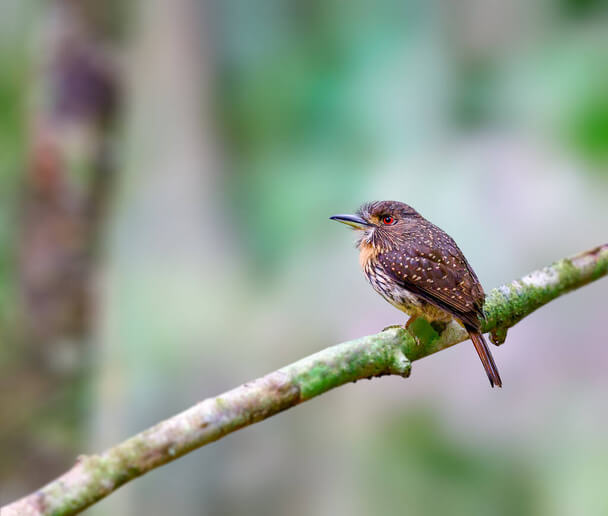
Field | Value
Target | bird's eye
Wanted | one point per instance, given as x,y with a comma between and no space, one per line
388,220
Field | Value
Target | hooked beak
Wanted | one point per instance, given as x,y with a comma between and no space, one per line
352,220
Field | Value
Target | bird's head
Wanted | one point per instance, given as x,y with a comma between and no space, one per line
381,222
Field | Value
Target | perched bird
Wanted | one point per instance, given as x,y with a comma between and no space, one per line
419,269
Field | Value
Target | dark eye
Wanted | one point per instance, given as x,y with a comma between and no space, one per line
388,220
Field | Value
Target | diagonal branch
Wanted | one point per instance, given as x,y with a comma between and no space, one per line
389,352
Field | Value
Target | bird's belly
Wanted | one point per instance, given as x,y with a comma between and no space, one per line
403,299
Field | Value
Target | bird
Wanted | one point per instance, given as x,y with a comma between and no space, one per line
418,268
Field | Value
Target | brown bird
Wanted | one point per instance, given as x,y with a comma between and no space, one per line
419,269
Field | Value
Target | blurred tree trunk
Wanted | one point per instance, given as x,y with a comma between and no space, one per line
68,176
65,191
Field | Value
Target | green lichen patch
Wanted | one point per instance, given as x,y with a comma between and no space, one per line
496,309
507,305
601,267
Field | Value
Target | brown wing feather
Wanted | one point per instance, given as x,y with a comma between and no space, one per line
439,273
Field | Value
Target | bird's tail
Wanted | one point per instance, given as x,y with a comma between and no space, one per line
486,358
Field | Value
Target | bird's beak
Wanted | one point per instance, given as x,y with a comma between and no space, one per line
352,220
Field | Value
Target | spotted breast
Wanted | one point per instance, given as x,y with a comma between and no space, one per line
400,297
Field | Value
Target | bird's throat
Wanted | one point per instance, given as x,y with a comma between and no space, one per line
367,252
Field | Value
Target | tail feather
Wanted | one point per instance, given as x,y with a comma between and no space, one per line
486,358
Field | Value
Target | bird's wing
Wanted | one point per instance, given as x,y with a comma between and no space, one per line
441,276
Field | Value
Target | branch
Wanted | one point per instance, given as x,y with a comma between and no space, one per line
389,352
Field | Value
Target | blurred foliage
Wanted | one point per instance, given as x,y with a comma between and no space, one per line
301,99
15,66
417,468
292,90
582,8
474,94
588,123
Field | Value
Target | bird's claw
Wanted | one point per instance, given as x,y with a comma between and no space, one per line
393,326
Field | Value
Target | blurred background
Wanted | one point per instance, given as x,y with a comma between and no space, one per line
167,169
